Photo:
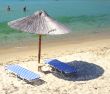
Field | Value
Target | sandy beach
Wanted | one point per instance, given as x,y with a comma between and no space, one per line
91,58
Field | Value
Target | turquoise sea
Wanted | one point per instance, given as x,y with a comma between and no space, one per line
79,15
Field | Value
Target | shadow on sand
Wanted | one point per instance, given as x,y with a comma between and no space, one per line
85,71
35,82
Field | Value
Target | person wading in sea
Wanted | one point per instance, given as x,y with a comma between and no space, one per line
24,9
8,8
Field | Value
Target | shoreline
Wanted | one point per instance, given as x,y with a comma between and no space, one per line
54,46
72,37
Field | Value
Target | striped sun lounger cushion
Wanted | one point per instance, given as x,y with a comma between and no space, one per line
61,66
22,72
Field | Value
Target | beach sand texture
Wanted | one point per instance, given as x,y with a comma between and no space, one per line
90,58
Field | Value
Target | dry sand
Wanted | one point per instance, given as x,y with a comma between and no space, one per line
91,58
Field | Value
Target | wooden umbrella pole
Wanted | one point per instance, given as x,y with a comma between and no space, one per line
39,53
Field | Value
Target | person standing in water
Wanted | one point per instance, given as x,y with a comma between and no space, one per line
8,8
24,9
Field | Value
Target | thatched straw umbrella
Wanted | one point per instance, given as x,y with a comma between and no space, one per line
39,23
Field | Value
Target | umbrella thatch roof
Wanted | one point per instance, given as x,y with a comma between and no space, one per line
39,23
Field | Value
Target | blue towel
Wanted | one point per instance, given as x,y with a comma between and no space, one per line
22,72
61,66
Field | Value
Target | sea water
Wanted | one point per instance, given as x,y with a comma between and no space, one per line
79,15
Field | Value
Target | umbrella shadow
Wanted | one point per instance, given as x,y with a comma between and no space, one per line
85,71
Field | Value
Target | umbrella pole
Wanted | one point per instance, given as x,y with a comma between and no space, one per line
39,53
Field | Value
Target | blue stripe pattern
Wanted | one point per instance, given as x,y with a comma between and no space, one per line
22,72
62,67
